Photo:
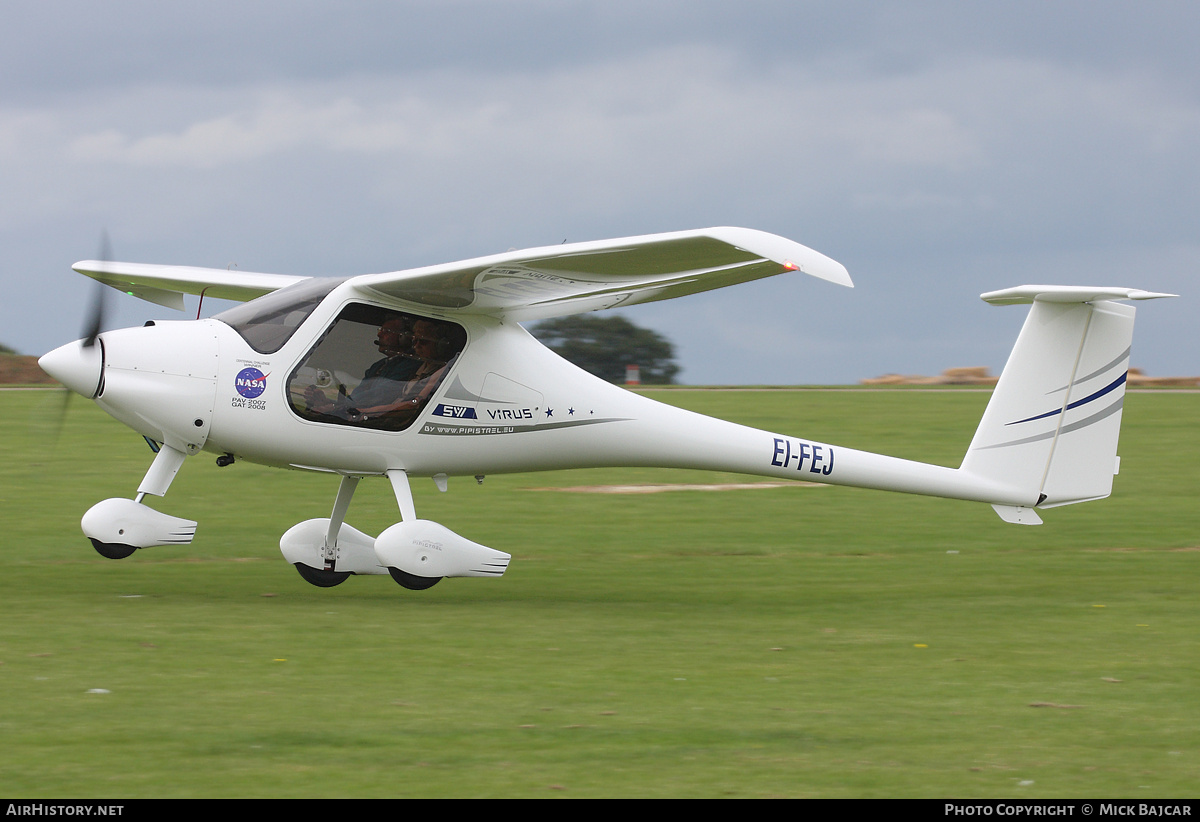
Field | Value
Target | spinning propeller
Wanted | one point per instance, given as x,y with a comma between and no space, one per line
81,368
95,319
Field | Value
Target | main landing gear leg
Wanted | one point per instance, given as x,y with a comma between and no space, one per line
328,576
408,513
326,552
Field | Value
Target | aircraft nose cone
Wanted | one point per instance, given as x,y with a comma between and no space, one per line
76,366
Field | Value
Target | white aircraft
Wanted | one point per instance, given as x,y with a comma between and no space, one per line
426,373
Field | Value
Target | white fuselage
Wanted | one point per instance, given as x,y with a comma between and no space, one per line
506,404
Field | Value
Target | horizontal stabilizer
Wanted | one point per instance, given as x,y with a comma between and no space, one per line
1025,294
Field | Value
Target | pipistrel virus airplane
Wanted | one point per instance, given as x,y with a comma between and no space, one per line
427,373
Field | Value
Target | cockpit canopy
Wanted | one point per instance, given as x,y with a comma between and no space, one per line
268,322
374,367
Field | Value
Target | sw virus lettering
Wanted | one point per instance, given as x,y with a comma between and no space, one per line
817,458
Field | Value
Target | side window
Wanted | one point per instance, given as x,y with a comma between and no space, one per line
374,368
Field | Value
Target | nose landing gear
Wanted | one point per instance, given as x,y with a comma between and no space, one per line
117,527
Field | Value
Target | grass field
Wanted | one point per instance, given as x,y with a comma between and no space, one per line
793,642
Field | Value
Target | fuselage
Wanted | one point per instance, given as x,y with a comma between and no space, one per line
279,381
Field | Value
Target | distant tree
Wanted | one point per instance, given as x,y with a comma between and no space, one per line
4,349
605,345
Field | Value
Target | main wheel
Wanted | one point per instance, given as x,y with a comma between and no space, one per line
411,581
320,577
113,550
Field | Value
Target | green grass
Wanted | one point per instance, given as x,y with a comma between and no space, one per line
789,642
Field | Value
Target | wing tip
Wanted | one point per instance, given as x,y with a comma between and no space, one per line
793,256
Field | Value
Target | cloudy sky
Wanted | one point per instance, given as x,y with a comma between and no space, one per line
937,149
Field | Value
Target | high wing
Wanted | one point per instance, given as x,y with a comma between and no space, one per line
570,279
166,284
523,285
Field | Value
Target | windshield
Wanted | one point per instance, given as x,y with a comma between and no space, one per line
269,322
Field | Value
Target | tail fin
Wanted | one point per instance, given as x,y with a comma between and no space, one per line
1052,425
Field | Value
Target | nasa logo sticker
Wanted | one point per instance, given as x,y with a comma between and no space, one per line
250,383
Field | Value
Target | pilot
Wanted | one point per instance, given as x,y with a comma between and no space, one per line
430,344
383,381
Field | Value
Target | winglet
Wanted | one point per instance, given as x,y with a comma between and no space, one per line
789,254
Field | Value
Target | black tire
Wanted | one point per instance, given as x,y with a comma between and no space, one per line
113,550
411,581
320,577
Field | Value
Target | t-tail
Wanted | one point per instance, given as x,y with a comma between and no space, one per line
1052,424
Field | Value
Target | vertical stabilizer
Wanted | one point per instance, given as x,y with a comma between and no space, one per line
1052,425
